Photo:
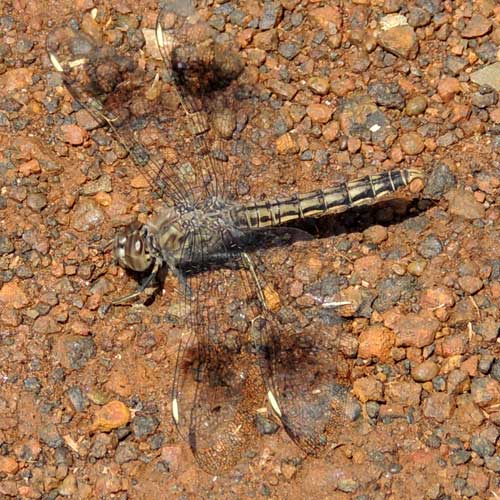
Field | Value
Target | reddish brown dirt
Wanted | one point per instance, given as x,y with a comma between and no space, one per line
424,268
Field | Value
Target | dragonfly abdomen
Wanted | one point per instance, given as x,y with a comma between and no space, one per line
360,191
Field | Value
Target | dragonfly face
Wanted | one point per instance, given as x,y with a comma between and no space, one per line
133,248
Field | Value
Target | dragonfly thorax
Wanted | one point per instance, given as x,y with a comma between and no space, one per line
134,248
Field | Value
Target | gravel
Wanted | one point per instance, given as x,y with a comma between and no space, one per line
329,93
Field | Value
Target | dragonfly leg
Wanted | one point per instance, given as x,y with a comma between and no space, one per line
143,287
250,267
174,269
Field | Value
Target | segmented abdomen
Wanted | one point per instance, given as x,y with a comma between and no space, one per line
321,202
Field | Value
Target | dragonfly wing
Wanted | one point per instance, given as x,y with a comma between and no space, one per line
216,387
305,374
111,85
203,75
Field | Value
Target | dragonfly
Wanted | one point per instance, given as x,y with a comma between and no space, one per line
242,340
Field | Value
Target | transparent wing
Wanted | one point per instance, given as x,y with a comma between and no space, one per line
246,340
204,75
111,85
305,374
217,387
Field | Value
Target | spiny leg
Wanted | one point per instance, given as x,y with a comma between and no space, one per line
250,267
143,287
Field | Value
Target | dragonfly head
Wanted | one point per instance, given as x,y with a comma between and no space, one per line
133,248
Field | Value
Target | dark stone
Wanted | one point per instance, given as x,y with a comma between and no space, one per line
10,105
80,351
288,50
218,22
487,52
24,45
63,456
50,436
439,383
265,425
271,15
482,446
484,98
454,64
387,95
495,370
7,23
144,425
32,384
390,291
156,441
485,363
447,139
493,463
418,17
125,452
459,457
439,181
433,441
433,6
372,409
24,272
6,246
430,247
237,17
76,398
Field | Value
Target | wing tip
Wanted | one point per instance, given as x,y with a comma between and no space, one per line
55,62
274,403
175,411
159,34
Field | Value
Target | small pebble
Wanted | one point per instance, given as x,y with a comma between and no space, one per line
430,247
375,234
425,371
265,426
125,452
470,284
319,85
50,436
416,105
144,425
319,113
439,406
400,40
417,267
482,446
8,465
368,389
412,143
36,201
448,87
77,398
287,144
478,25
463,204
111,416
376,342
73,134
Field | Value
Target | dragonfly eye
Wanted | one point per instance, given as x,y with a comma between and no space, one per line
119,250
131,250
138,245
